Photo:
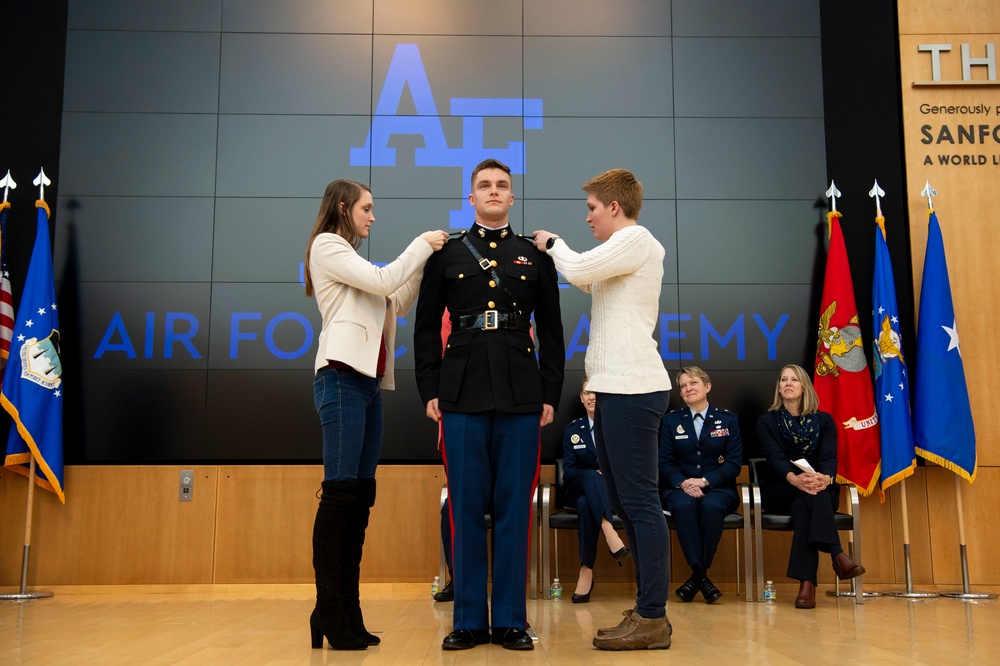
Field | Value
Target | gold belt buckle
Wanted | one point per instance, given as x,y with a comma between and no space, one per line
491,320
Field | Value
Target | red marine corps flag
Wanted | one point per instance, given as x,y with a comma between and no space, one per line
842,381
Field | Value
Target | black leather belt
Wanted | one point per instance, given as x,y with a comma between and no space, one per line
492,320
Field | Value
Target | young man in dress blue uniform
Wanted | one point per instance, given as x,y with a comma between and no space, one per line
700,457
492,395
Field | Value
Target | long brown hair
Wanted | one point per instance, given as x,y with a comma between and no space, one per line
335,217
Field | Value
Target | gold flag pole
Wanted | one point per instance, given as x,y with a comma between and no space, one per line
965,593
24,595
908,593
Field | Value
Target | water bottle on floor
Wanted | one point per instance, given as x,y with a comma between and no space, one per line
436,585
556,590
770,594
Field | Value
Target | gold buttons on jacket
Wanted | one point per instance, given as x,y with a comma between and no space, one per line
491,304
493,263
493,245
523,278
461,275
492,283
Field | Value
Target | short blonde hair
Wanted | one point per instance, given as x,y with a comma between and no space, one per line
617,185
808,403
694,372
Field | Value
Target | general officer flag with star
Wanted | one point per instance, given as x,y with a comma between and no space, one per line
942,417
892,383
32,383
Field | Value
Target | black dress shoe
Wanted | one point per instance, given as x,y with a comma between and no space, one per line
621,554
583,598
464,639
512,639
447,592
710,591
690,588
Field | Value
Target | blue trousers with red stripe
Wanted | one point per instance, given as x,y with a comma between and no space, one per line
490,455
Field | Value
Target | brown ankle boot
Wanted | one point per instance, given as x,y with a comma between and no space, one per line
807,595
640,634
608,632
846,568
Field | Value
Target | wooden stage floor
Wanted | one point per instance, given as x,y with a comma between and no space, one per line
267,624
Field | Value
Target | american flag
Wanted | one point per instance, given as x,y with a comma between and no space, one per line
6,301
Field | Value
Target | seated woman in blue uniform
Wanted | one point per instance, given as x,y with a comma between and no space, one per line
700,457
585,492
795,429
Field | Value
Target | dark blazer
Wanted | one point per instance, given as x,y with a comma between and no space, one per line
717,455
579,454
489,370
780,453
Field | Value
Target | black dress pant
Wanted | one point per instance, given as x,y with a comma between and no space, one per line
814,528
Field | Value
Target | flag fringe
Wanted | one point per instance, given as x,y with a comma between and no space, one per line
41,204
43,466
4,205
862,489
900,475
829,221
947,464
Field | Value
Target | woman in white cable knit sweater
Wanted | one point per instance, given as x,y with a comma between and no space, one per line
623,276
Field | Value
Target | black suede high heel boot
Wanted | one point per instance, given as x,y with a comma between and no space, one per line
330,533
351,571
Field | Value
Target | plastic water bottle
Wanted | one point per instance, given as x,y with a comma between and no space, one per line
556,590
436,585
770,594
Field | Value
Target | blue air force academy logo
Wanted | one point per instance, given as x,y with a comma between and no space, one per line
40,361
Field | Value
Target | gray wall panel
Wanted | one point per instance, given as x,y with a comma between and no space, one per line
262,239
738,242
571,151
599,76
448,17
263,415
739,18
286,156
152,417
749,158
135,239
307,74
748,77
597,17
197,15
300,16
139,71
146,154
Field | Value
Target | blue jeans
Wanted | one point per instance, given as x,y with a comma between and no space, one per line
627,435
350,410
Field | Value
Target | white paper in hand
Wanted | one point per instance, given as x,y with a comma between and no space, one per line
803,464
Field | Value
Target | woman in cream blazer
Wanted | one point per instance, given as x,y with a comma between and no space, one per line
359,303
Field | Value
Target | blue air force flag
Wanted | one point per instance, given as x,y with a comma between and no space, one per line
32,383
892,384
942,417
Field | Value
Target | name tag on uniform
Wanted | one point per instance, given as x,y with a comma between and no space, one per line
579,446
681,437
719,432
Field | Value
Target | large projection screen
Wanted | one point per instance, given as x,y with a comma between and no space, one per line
197,141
